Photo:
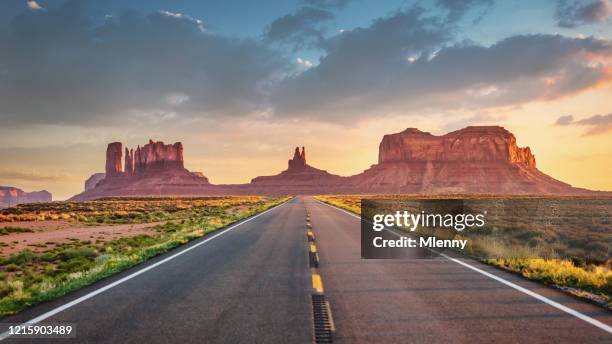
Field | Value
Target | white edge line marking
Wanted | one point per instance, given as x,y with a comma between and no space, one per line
132,275
537,296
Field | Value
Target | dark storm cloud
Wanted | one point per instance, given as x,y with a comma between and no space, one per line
571,14
406,62
299,27
56,67
598,124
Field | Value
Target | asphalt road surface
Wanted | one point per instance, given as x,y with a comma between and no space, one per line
252,284
435,300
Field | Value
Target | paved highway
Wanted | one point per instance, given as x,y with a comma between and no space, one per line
252,284
435,300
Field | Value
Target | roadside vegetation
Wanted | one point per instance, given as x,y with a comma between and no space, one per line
28,277
8,230
577,256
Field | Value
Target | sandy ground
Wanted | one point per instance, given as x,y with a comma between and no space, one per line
53,232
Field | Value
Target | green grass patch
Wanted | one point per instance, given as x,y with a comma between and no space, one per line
9,230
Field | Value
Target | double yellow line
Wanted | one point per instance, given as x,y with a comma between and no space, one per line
317,282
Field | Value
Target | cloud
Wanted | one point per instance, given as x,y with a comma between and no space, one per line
58,67
328,4
571,14
31,176
458,9
33,5
408,63
300,27
597,124
565,120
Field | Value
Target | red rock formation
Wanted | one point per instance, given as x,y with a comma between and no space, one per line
298,160
129,162
471,160
153,169
10,196
469,144
298,173
152,158
156,156
113,159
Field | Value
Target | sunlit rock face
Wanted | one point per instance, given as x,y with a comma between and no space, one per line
153,169
490,144
483,159
113,159
10,196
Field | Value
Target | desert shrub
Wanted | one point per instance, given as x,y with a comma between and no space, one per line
21,258
9,230
78,253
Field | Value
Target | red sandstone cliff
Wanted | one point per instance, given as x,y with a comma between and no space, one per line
113,159
10,196
490,144
153,169
482,159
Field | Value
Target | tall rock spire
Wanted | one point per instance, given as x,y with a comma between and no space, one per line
129,162
113,159
299,158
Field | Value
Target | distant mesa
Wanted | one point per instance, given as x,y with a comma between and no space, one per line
93,180
10,196
298,174
483,159
153,169
490,144
150,160
476,159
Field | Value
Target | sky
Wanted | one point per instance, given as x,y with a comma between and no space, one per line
241,83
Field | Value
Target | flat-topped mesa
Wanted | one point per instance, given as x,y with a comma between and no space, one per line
154,157
113,159
10,196
476,143
157,156
299,159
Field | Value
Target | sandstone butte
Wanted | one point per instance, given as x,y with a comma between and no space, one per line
10,196
477,159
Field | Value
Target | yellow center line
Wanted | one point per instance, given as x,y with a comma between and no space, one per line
317,283
313,248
